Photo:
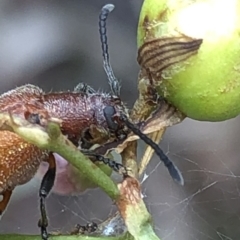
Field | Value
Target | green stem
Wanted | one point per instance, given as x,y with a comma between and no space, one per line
51,138
86,167
64,237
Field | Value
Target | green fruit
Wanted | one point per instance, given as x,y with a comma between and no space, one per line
206,85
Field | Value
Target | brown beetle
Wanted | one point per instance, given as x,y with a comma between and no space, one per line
88,117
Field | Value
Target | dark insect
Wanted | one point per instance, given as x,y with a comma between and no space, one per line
88,118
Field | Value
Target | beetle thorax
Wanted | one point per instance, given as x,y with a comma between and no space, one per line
82,114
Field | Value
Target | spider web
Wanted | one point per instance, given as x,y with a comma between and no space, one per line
206,208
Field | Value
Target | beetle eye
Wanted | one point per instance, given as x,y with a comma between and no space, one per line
109,112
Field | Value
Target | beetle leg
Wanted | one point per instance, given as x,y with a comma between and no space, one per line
46,186
84,88
6,195
80,229
117,167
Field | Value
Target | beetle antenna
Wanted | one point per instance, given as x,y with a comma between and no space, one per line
112,80
173,170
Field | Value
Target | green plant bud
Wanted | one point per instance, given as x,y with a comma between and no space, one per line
191,50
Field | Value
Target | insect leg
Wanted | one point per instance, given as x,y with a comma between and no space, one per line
84,88
46,186
117,167
80,229
6,195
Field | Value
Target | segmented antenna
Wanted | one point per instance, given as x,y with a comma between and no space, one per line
173,170
112,80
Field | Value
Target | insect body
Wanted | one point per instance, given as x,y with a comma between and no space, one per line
15,165
83,120
87,118
84,116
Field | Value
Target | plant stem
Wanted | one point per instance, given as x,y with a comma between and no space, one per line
68,151
51,138
64,237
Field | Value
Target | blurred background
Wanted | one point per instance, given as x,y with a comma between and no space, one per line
55,45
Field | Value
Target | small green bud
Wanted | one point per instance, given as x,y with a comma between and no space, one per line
192,51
